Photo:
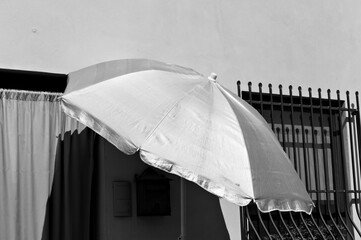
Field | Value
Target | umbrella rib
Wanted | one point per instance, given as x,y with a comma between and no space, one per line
167,113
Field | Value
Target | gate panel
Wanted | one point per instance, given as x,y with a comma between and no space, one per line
322,139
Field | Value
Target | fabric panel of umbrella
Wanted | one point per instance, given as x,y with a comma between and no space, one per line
189,125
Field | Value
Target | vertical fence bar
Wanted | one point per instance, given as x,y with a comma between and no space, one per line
326,166
284,148
303,139
343,165
314,150
357,158
358,122
282,119
271,100
272,126
293,132
335,174
260,97
239,89
358,125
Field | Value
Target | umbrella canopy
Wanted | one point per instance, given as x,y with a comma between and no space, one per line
189,125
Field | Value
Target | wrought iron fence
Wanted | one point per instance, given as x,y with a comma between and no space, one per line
322,139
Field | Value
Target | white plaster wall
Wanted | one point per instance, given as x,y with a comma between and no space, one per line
307,43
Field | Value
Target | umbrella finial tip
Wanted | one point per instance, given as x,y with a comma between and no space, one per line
212,77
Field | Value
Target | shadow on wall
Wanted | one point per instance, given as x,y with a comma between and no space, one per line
81,201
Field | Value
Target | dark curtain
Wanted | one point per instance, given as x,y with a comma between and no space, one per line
74,206
78,206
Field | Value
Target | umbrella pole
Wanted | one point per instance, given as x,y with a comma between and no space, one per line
183,204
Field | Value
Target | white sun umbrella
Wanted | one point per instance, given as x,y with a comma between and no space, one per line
186,124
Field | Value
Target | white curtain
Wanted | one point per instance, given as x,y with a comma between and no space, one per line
30,123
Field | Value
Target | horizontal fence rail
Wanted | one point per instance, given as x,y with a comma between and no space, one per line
321,136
